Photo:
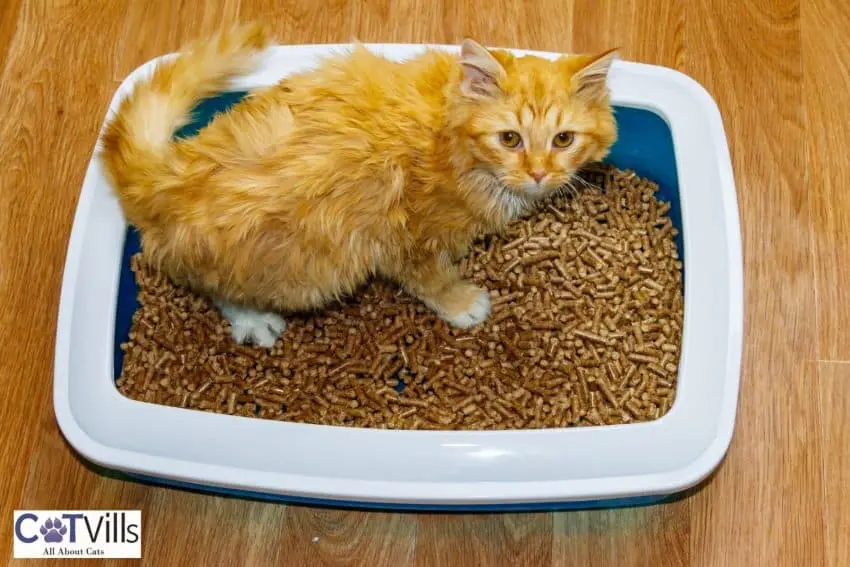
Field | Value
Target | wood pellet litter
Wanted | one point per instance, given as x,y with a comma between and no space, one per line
585,330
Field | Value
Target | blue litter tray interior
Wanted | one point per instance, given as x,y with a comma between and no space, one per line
645,145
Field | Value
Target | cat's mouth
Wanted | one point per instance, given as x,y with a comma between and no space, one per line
533,190
522,193
536,190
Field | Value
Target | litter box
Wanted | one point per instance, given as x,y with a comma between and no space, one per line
670,131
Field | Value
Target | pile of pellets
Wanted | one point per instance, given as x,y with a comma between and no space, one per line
585,329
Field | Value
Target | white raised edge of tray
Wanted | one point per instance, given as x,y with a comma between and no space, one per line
427,467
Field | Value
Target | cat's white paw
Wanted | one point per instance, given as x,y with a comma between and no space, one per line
476,313
251,326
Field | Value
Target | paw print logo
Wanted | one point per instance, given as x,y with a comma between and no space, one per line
53,530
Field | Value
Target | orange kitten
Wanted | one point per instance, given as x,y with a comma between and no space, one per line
360,167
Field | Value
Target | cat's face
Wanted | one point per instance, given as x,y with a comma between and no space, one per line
531,122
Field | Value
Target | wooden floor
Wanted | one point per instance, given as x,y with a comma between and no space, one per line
780,70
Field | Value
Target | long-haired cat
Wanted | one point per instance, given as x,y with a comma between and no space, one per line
360,167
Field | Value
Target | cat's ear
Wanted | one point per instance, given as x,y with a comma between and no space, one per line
591,78
481,72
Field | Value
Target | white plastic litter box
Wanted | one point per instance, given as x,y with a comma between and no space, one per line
670,131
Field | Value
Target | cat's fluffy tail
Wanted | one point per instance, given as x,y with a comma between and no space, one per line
137,141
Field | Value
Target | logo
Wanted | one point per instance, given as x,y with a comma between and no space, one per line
53,530
62,534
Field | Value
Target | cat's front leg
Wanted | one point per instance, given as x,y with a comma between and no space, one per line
436,282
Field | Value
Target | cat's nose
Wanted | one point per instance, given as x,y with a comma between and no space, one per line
538,174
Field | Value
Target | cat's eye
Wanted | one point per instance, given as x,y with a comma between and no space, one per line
563,139
510,139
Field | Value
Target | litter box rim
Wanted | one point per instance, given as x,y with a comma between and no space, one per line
76,422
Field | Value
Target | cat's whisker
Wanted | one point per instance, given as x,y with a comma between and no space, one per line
584,182
581,180
590,185
570,190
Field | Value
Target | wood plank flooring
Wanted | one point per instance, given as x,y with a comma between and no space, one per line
780,72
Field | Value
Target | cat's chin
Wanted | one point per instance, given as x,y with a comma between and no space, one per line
513,203
532,191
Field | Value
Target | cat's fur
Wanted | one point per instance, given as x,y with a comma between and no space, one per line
360,167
